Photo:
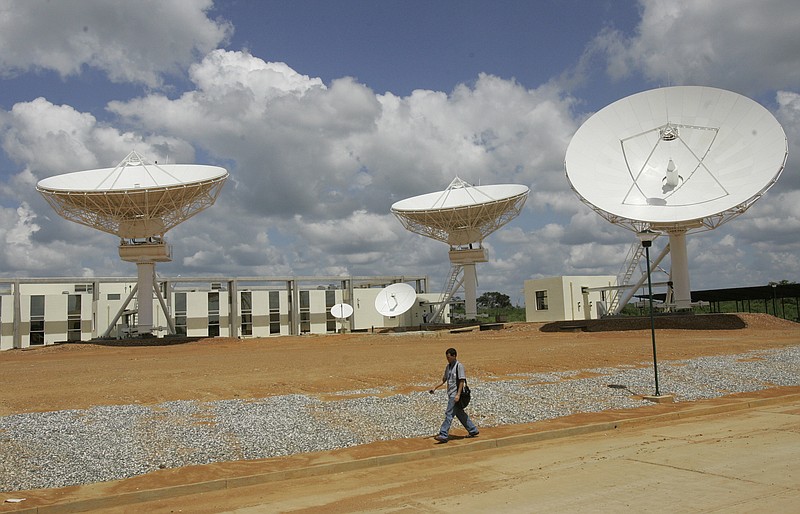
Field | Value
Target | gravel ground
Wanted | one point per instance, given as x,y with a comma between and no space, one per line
70,447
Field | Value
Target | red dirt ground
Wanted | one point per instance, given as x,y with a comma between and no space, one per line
78,376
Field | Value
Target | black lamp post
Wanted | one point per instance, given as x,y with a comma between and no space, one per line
774,298
646,237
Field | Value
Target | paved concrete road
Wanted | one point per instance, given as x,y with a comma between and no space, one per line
745,460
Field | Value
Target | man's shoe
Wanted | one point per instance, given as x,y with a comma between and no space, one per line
441,438
473,435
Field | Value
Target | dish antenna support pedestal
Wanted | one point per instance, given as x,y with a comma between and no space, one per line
145,256
679,272
467,259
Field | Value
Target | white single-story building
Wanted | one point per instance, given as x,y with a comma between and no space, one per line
568,297
41,311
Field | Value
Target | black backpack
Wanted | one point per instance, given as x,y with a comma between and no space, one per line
466,394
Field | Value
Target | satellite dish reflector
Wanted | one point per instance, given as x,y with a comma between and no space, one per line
395,299
136,199
342,310
688,156
462,213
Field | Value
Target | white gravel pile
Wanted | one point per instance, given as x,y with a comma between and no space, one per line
56,449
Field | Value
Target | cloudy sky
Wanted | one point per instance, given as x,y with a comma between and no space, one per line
325,113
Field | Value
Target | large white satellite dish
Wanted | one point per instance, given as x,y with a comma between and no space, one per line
139,202
462,216
676,160
395,299
136,199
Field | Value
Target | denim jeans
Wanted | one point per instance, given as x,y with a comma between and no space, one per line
457,411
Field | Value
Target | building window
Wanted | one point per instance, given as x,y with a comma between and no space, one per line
541,300
213,314
180,314
113,296
74,317
83,288
305,312
247,313
330,301
37,320
73,330
274,312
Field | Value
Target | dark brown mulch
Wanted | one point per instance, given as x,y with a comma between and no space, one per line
672,321
139,341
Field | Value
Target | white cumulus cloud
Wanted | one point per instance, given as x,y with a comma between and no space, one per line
130,41
749,47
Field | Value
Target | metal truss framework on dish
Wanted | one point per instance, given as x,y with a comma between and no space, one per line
462,216
676,160
139,202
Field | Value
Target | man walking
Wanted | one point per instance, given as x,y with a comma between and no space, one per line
455,378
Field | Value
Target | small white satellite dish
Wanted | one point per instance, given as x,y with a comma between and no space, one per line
395,299
342,310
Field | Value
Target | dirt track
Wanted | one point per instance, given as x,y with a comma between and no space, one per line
77,376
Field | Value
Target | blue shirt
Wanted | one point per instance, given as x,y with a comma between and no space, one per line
450,377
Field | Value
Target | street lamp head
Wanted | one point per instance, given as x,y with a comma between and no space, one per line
646,237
